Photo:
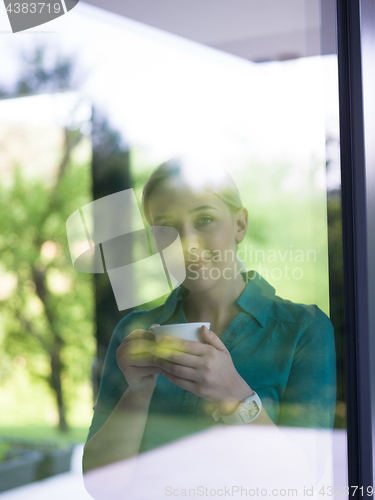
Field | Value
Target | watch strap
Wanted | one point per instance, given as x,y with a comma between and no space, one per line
247,411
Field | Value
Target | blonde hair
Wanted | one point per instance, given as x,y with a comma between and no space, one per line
216,179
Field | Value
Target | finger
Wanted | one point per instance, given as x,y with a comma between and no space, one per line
174,356
135,356
141,360
183,372
139,334
152,326
139,346
187,385
188,346
212,339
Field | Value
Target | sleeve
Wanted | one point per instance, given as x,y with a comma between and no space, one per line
310,395
113,383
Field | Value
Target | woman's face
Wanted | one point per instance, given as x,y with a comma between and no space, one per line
209,232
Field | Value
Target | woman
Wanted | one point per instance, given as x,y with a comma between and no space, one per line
263,351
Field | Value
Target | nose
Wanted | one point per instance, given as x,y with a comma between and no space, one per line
189,242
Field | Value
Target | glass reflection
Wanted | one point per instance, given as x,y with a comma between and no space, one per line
264,362
257,105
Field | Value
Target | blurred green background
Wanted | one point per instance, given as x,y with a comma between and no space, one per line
48,322
47,341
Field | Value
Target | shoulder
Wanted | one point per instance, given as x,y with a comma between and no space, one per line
260,300
300,314
308,326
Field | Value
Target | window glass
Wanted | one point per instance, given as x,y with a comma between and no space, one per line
240,227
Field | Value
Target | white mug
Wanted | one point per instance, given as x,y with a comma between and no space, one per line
185,331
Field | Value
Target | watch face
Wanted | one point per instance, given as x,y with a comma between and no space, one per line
249,411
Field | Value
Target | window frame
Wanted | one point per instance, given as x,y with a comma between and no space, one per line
355,38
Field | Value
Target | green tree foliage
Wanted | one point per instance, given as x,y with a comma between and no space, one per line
44,71
47,318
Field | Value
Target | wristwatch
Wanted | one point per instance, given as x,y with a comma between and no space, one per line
246,411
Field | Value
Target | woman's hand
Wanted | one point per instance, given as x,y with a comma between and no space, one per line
206,370
136,362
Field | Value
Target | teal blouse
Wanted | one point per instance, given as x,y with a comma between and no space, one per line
285,352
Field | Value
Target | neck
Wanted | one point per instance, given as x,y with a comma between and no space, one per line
217,305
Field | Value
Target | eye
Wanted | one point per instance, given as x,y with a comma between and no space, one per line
204,221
